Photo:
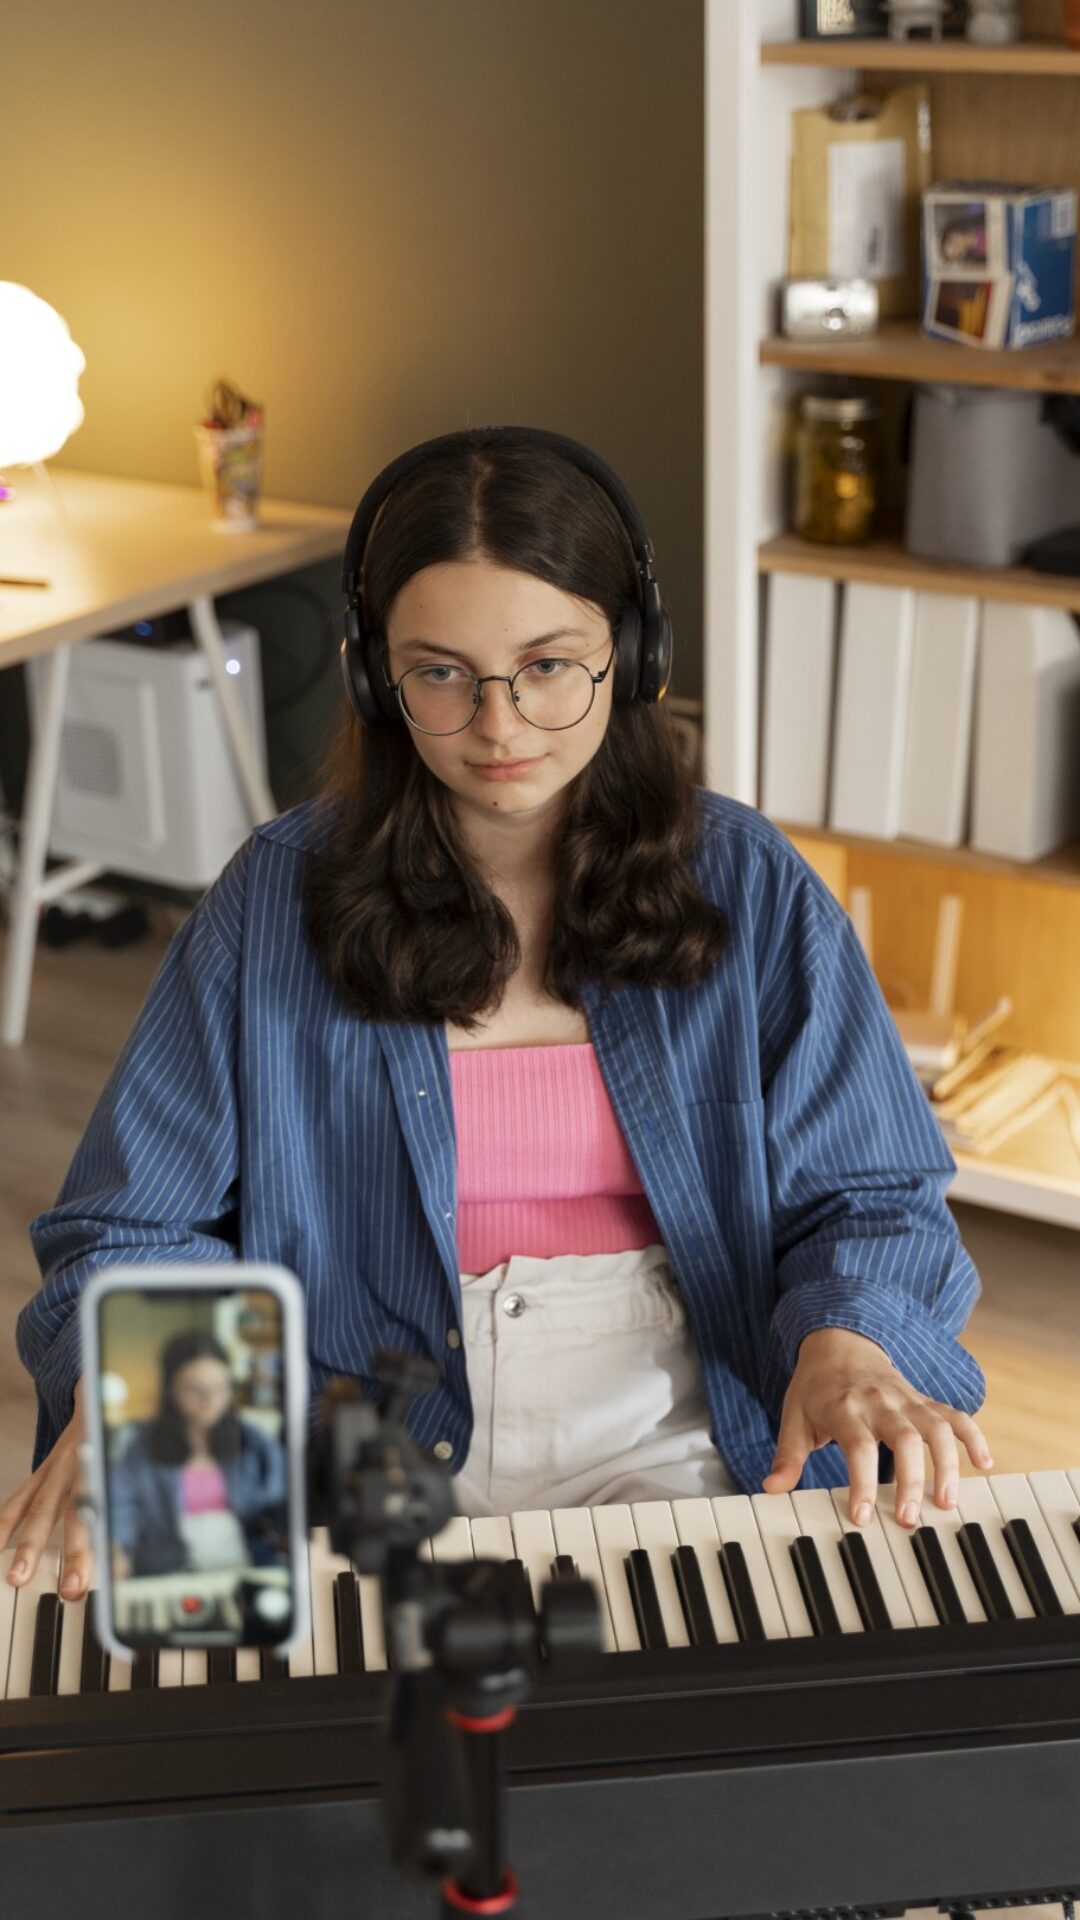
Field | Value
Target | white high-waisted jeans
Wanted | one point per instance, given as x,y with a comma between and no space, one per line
586,1386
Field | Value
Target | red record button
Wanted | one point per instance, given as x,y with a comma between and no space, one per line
191,1603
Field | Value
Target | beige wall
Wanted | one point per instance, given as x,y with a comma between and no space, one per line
384,219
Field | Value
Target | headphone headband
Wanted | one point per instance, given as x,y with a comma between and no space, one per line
643,639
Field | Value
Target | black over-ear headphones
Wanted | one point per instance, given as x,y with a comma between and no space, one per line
642,638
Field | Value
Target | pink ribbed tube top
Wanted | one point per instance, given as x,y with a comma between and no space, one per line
542,1164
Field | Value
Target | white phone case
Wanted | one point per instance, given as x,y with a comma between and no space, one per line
234,1277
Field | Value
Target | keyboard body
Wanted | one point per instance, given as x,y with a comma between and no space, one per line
863,1768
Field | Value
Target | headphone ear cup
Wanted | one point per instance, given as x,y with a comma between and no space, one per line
627,657
655,647
362,668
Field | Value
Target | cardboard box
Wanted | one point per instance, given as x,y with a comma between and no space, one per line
858,170
997,262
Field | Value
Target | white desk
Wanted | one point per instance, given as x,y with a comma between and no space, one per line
113,552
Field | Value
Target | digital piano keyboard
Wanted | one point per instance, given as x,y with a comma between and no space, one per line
791,1715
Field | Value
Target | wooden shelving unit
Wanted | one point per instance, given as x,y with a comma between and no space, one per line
1060,868
899,351
886,563
1048,59
992,116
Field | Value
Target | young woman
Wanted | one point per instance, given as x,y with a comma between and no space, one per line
197,1486
522,1051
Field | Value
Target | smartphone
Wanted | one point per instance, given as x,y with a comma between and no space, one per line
195,1456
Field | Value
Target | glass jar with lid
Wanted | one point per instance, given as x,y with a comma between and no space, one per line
838,464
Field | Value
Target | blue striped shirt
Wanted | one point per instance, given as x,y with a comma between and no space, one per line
788,1153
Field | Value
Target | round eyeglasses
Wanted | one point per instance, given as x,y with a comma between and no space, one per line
549,693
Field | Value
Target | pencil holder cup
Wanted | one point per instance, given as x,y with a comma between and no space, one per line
230,461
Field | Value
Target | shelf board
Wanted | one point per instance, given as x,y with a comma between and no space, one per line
899,350
1049,57
1035,1172
886,563
1059,869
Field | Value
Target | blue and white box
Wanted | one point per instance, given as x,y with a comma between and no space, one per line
997,262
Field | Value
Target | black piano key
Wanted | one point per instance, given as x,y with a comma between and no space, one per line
740,1591
980,1563
1037,1582
521,1572
271,1665
930,1555
692,1599
564,1567
347,1623
94,1666
863,1582
144,1668
814,1587
220,1666
650,1620
45,1660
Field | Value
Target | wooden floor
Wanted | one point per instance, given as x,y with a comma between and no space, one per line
1025,1331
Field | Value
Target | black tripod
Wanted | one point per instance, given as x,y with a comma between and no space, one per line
463,1641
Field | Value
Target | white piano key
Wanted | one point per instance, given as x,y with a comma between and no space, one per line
302,1658
898,1539
248,1665
534,1543
492,1538
1060,1507
881,1560
977,1506
696,1528
455,1542
72,1624
1017,1500
574,1534
1073,1477
42,1580
946,1523
736,1522
7,1615
195,1671
615,1538
654,1524
372,1625
778,1526
325,1566
816,1516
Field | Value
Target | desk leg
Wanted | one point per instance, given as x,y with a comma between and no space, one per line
204,625
33,846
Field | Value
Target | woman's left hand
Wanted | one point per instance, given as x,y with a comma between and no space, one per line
845,1388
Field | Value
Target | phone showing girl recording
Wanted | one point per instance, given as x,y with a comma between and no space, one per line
196,1480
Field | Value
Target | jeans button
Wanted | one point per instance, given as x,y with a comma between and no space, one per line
514,1305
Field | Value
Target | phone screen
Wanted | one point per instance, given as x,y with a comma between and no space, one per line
200,1506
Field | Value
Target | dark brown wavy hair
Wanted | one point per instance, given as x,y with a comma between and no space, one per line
405,922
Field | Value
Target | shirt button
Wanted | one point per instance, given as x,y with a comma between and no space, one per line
514,1305
453,1338
443,1450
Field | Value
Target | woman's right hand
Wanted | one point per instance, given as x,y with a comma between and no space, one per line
28,1517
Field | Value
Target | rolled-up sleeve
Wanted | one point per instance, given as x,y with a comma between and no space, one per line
155,1175
858,1167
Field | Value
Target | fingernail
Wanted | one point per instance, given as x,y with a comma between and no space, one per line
909,1515
985,1458
20,1570
71,1583
948,1494
864,1513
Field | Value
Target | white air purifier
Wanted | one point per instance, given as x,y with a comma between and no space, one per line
146,783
